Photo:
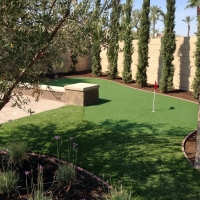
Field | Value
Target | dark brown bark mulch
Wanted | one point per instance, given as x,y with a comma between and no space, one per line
87,185
190,147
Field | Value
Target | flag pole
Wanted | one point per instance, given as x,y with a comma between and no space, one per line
154,96
154,100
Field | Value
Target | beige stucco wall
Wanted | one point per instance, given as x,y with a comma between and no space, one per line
84,63
183,62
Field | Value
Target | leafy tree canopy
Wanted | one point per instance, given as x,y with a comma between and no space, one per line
33,34
193,3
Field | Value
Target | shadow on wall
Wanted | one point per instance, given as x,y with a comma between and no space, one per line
160,64
182,76
185,64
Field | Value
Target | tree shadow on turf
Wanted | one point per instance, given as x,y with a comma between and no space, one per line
151,163
100,101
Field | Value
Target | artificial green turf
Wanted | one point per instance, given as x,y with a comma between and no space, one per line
122,104
121,137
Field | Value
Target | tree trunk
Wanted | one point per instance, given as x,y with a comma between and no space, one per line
188,30
197,156
154,28
7,95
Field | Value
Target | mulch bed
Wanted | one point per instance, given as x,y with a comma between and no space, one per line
190,147
87,186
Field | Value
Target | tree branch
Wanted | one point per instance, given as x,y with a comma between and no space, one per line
37,56
52,6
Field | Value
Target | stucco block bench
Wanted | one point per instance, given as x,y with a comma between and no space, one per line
81,94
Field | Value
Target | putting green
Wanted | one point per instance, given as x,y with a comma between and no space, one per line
123,104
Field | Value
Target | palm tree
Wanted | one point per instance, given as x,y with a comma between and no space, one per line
136,15
155,13
192,4
187,20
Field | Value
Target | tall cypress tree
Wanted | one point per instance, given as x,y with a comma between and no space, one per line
113,39
168,48
96,41
141,75
196,81
128,46
196,92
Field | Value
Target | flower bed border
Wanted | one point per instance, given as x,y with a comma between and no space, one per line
183,146
55,160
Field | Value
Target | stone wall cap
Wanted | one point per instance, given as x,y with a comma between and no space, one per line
43,87
52,88
81,86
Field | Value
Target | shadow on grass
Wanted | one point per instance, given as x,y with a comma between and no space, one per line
100,101
151,164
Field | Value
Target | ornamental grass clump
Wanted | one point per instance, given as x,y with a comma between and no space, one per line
118,193
37,190
16,151
8,181
66,173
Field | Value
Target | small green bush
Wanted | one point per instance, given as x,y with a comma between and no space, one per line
66,175
118,193
8,181
37,189
17,151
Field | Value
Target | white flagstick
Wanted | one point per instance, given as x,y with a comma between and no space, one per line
154,96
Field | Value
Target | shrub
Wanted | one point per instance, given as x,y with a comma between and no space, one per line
118,193
37,190
8,181
66,175
17,151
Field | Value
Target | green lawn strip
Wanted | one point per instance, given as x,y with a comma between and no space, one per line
39,130
143,149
